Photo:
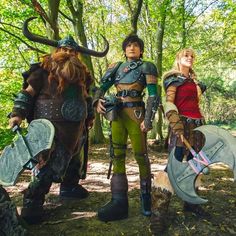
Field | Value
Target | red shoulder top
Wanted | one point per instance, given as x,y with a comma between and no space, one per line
186,100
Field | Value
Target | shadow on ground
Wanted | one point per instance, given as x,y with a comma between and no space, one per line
72,218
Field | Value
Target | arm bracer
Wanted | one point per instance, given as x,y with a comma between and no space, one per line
23,104
151,109
173,117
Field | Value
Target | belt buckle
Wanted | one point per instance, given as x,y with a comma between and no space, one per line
189,120
198,122
133,65
133,93
124,93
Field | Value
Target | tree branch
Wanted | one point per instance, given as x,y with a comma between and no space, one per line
199,15
67,17
135,15
71,7
129,5
10,25
30,47
39,9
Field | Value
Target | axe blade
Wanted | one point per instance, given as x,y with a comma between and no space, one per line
220,146
182,178
24,150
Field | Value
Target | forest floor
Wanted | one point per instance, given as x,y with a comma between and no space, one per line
78,217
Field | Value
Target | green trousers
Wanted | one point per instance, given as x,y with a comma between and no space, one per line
122,128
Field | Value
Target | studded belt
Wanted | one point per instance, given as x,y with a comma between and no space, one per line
48,109
198,122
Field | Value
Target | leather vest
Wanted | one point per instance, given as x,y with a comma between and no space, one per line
130,72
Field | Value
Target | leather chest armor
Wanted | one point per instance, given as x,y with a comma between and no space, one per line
129,73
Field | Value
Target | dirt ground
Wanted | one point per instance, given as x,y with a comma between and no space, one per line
78,217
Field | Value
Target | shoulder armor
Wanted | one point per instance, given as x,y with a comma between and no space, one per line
26,74
148,68
173,80
202,86
33,67
110,72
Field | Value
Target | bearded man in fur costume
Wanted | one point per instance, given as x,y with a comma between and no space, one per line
57,89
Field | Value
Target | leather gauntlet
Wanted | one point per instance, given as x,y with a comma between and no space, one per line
151,108
175,123
23,104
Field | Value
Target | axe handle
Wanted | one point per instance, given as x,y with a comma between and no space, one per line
187,144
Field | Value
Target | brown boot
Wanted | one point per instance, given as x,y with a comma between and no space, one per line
117,207
161,195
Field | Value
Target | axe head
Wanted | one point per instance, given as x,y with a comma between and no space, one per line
220,146
23,152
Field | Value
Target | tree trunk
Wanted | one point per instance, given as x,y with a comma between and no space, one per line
76,9
135,12
160,36
183,24
53,9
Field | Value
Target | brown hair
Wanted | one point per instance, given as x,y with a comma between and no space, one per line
67,69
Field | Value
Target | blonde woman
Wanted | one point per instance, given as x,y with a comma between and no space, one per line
182,110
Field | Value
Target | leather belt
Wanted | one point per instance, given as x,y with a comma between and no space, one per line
131,93
198,122
131,104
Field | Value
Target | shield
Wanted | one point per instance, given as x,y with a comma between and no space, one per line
22,154
220,146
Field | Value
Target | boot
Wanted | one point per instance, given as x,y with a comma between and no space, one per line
32,211
196,209
117,208
145,187
161,195
73,192
70,187
34,197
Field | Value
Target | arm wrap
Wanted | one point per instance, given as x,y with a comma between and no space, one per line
151,108
23,104
172,116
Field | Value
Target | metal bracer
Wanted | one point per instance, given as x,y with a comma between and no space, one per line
23,104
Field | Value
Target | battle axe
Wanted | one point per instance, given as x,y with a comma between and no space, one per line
23,153
220,146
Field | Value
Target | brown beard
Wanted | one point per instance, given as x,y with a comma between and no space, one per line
66,69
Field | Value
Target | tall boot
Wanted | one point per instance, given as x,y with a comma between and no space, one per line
145,196
70,187
117,208
161,195
34,197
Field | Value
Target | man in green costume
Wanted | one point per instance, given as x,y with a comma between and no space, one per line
130,79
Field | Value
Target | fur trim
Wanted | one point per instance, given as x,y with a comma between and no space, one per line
161,180
170,106
171,73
